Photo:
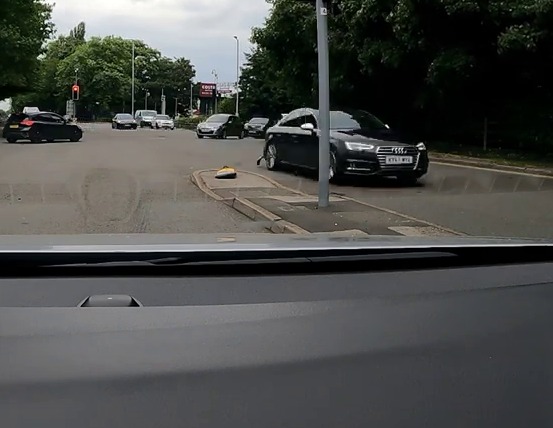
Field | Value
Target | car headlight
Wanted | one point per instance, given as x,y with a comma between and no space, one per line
358,147
421,146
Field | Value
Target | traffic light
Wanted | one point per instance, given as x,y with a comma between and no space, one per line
75,92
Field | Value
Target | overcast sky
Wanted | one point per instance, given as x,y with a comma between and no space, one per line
200,30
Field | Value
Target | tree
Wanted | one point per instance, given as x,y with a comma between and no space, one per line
24,27
104,75
436,68
227,105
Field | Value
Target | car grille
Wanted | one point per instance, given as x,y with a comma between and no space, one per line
383,152
206,131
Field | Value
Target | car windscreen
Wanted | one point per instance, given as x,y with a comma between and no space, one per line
218,118
163,117
124,116
355,120
259,120
148,113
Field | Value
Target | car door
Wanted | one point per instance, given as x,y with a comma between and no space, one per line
233,126
286,141
310,142
299,139
44,125
58,129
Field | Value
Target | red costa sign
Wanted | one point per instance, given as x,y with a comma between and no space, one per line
206,89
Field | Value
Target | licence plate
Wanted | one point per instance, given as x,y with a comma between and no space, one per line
398,160
14,126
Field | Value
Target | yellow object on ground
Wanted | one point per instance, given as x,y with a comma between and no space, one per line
226,172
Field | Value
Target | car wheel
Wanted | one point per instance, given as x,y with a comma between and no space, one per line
112,126
241,136
333,174
271,157
224,136
199,136
35,136
50,140
12,140
77,135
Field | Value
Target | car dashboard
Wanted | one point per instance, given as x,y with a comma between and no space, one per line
462,346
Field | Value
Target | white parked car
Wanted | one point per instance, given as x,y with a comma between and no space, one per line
164,122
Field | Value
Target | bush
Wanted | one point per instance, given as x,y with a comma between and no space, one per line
189,122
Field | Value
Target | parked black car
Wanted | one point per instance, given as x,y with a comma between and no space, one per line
360,144
123,121
221,126
257,127
40,126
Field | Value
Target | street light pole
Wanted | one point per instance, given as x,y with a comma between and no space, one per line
324,104
191,100
216,90
132,81
237,71
176,106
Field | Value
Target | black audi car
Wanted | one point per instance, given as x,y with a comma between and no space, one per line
360,144
257,127
39,126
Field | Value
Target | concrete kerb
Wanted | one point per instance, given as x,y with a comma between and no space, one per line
483,164
248,208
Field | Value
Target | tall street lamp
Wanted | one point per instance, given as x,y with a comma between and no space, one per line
214,72
237,70
132,81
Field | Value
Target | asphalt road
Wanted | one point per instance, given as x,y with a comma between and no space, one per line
138,181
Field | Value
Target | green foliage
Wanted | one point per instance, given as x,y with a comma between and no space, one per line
189,122
24,27
227,105
104,75
435,68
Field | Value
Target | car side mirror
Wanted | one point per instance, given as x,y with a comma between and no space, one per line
307,127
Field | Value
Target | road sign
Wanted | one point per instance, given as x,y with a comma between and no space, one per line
206,90
69,108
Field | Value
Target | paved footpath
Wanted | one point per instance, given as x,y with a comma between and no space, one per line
285,210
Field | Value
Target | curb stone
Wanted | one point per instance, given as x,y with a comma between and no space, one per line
451,160
248,208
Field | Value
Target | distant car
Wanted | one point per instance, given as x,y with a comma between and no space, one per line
257,127
145,118
360,144
37,127
28,110
123,121
164,122
221,126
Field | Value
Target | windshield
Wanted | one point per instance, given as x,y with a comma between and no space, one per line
217,118
357,120
435,130
259,121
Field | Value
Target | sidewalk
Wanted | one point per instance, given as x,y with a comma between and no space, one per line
288,211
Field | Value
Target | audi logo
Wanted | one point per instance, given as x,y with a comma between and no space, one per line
398,150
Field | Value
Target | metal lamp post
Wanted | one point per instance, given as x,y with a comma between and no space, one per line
237,70
132,81
214,72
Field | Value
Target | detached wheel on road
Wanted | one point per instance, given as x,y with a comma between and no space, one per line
77,135
271,157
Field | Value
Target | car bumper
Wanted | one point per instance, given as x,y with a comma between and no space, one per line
126,125
209,133
260,133
371,165
18,134
165,125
